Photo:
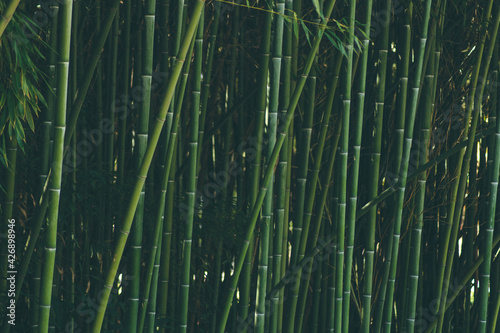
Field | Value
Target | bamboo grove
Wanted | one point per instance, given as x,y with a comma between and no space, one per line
249,166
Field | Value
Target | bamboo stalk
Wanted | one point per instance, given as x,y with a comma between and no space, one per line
265,222
403,172
416,238
344,150
474,104
304,281
56,175
192,177
7,15
139,151
375,159
489,225
267,209
267,177
125,229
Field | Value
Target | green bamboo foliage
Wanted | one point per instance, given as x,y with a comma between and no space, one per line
56,173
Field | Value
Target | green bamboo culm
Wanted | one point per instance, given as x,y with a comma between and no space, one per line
489,225
416,236
151,307
403,73
300,226
48,138
207,77
122,118
66,11
262,82
367,285
267,208
280,222
191,181
148,156
495,304
164,272
139,151
7,15
373,185
343,205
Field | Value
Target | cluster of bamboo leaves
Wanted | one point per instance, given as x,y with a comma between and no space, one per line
268,166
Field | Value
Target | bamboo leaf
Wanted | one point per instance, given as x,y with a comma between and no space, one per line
29,120
318,9
295,26
306,31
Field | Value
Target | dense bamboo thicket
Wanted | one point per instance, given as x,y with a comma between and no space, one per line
249,166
